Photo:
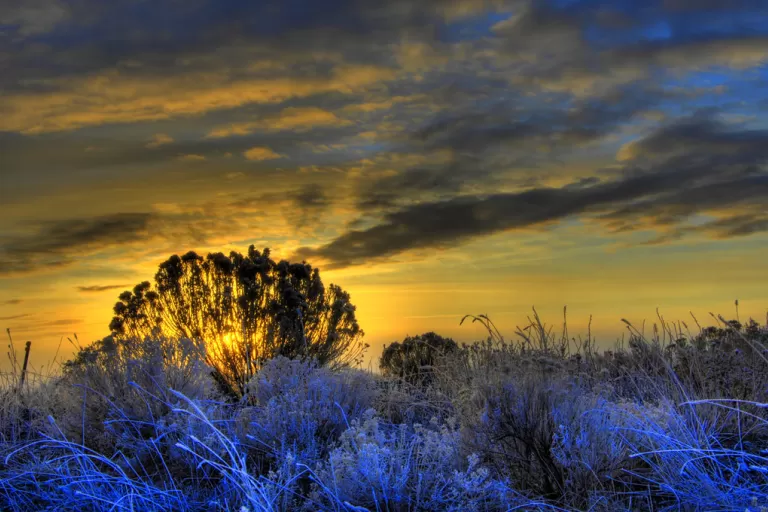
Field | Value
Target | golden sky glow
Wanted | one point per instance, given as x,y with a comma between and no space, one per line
434,158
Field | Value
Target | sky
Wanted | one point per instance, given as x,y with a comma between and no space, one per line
434,158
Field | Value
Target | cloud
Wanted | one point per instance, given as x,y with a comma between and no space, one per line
310,202
41,326
31,17
470,146
737,225
428,106
115,96
14,317
695,166
12,302
58,243
260,153
586,48
191,158
159,139
203,58
100,287
62,321
311,196
232,129
292,119
367,107
701,134
128,239
446,223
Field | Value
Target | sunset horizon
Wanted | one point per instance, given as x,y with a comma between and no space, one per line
416,308
434,159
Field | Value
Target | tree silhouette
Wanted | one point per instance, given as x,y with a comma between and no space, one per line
413,360
244,310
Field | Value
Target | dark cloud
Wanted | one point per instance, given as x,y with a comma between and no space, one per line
63,321
711,168
521,124
549,39
701,134
77,154
100,287
484,141
174,36
737,225
12,302
31,17
14,317
58,243
310,201
442,224
712,5
585,46
730,226
301,207
419,182
38,326
54,244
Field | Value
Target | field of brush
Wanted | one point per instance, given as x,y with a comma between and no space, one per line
675,420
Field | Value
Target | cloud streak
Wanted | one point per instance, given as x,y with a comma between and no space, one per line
115,96
663,185
14,317
260,153
96,288
59,243
292,118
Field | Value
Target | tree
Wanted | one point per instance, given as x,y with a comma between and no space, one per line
414,359
244,310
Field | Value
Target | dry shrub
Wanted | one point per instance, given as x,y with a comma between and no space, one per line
119,391
24,411
400,467
302,408
558,424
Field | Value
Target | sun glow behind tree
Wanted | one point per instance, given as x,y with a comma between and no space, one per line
243,310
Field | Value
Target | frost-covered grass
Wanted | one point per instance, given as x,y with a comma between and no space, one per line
670,422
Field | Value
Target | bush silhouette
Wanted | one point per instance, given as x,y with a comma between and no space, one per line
414,359
243,310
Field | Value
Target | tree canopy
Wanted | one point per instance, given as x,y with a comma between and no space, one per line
244,310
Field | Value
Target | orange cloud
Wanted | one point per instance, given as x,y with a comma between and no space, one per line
373,106
292,118
191,158
116,97
260,153
159,139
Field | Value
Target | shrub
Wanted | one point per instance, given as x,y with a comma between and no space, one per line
302,408
690,463
414,359
403,467
590,449
53,473
243,311
400,402
119,390
515,433
23,412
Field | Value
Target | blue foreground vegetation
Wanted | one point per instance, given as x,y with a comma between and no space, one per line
671,422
